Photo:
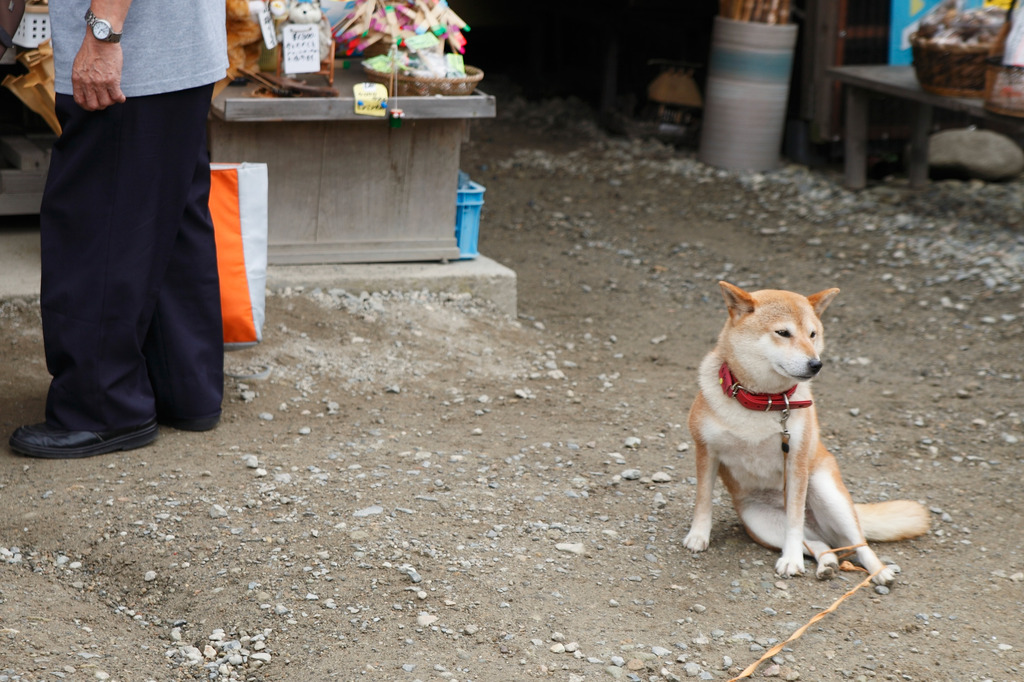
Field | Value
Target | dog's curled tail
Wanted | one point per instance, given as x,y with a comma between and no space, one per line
893,520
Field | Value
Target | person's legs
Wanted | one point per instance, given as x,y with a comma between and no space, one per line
102,257
123,213
184,348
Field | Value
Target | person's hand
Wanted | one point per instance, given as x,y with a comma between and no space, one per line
96,74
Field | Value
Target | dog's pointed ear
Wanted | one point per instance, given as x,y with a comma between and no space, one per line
820,300
738,302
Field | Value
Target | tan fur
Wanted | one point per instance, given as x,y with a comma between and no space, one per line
796,502
892,521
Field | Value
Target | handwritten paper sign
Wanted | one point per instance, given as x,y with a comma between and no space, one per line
267,28
371,99
301,48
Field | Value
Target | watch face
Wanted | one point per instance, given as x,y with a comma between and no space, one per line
101,29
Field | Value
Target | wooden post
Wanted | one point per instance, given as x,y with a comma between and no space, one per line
856,142
917,164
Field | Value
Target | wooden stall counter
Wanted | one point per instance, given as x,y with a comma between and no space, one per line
346,188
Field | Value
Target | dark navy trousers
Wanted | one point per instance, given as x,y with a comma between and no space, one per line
129,294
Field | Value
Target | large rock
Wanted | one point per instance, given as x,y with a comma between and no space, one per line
971,153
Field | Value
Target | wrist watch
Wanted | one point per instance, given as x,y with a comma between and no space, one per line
101,28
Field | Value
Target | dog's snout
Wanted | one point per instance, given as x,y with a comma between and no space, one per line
814,366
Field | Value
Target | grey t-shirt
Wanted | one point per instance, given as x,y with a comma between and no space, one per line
167,46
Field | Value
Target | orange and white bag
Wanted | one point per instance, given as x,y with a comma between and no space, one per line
238,206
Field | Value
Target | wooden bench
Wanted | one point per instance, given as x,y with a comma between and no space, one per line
863,82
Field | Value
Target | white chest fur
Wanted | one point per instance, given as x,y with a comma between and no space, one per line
751,448
747,442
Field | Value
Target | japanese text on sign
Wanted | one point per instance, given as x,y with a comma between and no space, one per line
301,48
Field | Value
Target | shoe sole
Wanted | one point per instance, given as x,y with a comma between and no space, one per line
128,441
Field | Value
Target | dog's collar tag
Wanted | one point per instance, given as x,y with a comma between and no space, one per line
782,421
762,402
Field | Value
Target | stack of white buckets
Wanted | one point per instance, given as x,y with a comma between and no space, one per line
747,94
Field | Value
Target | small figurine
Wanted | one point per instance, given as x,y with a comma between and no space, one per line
308,12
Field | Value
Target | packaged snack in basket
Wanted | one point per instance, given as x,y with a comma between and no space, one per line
950,22
1013,50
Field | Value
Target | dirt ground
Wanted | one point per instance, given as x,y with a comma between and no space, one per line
409,486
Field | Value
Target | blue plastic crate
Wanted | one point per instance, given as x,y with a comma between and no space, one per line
467,217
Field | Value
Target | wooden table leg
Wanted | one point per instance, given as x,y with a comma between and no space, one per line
917,164
856,142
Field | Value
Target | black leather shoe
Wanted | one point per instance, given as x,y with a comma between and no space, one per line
182,424
43,440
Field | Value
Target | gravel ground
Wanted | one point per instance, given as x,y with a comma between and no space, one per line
409,486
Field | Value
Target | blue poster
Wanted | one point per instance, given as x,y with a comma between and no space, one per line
906,14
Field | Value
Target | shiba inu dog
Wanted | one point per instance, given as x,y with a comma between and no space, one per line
754,424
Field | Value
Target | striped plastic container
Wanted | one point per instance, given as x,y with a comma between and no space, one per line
747,94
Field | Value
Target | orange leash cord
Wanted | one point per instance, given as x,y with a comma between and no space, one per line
799,633
847,552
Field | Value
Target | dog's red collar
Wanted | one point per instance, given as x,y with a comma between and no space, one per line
763,402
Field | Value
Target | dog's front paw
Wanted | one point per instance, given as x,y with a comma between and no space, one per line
788,566
827,569
696,542
885,577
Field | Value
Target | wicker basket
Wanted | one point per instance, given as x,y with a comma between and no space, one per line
950,70
414,86
1004,88
378,48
